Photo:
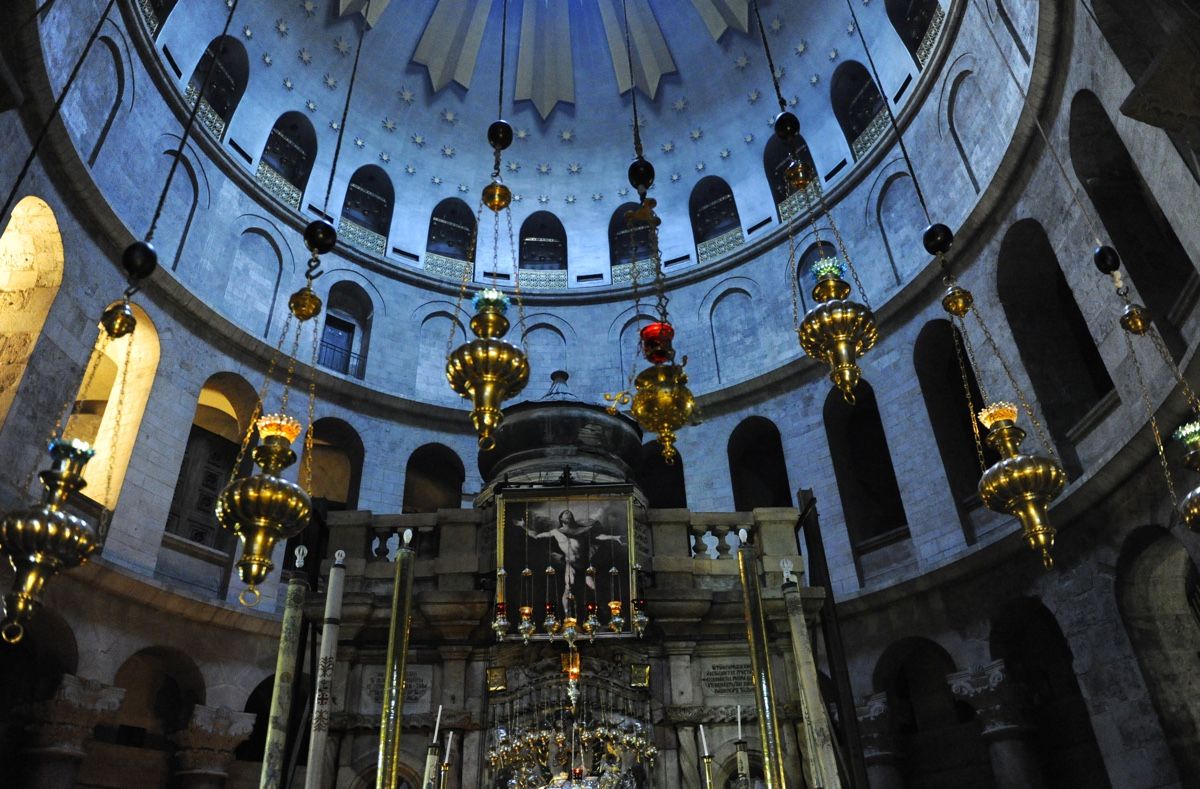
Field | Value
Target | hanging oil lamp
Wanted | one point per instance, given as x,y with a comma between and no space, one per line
1189,506
1019,484
616,622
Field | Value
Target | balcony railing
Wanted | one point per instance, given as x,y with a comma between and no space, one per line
719,246
335,357
277,185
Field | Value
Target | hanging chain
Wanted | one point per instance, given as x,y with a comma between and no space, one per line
341,130
257,411
291,370
1020,393
958,335
468,269
516,267
841,245
123,387
306,480
1188,392
1158,441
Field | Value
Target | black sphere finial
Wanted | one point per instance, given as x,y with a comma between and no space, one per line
787,126
1106,259
641,175
500,134
319,236
139,260
938,239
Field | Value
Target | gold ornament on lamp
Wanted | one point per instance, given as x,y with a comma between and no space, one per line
1019,484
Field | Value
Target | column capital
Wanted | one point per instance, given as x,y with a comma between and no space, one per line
878,729
996,698
207,743
63,722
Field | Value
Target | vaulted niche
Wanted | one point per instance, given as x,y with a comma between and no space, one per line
367,211
543,243
858,106
222,93
757,469
288,155
433,479
451,230
627,241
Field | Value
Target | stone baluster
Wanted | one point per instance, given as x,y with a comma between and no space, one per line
206,746
881,749
721,532
60,727
698,532
997,701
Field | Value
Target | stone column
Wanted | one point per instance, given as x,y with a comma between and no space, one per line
689,758
60,727
881,751
996,700
206,746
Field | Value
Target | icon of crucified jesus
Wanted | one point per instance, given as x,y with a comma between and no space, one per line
568,540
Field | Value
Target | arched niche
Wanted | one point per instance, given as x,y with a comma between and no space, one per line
662,484
940,737
179,211
1007,20
98,99
257,268
1068,376
862,465
733,333
337,463
936,362
776,157
1155,259
288,156
31,271
451,230
1025,635
222,92
367,210
1158,595
757,469
858,106
346,335
224,407
543,243
716,224
31,671
628,241
440,331
433,479
911,20
259,703
110,403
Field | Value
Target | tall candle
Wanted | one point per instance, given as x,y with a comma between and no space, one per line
438,723
739,721
449,745
703,741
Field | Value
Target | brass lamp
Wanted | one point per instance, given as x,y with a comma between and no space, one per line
264,508
662,403
45,539
1018,484
837,330
1189,505
488,370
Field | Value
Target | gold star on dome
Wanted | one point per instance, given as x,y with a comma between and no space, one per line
754,96
741,61
567,135
418,140
266,58
330,81
514,167
570,199
543,168
359,142
342,46
436,180
574,168
389,124
305,56
667,147
679,105
408,168
281,27
309,7
522,134
406,95
448,151
247,32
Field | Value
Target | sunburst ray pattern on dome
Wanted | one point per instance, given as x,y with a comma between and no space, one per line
648,49
450,44
370,9
720,15
545,72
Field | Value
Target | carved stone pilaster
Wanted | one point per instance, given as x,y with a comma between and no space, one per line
206,746
995,697
60,726
881,747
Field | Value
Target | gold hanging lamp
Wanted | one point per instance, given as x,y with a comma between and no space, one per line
1019,484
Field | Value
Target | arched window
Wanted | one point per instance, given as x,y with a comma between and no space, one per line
716,225
776,157
224,408
337,463
433,479
1038,660
1158,595
628,241
1156,261
1068,375
31,270
662,484
940,378
346,337
912,672
757,469
451,230
367,211
220,95
543,243
858,106
287,159
862,464
116,372
911,19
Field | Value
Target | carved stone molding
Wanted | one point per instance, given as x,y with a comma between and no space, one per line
995,697
878,730
207,744
64,722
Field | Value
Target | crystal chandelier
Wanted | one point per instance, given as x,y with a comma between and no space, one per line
488,369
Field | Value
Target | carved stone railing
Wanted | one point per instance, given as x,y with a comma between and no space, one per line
207,115
148,13
448,267
534,279
799,202
720,246
925,49
357,235
622,273
870,135
277,185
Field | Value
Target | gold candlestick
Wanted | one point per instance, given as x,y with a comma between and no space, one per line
388,772
760,664
445,777
708,770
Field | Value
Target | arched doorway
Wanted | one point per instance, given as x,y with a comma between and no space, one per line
757,469
433,479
